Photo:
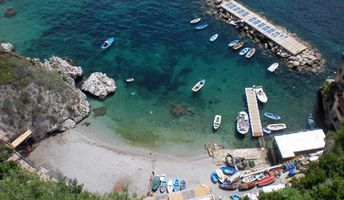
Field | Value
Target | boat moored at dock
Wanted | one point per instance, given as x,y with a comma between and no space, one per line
310,121
243,124
250,53
277,127
273,67
244,51
239,45
261,96
233,43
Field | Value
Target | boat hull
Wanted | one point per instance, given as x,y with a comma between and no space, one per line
266,181
243,123
272,116
195,21
277,127
217,122
250,53
238,46
247,186
198,85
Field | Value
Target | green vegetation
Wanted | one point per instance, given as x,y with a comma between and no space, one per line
17,184
323,179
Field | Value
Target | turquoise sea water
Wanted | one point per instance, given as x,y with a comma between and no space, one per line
157,46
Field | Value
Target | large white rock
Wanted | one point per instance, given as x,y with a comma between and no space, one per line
8,47
63,67
99,85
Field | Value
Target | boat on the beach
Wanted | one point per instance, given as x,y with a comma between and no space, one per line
266,181
266,130
220,175
156,183
233,43
201,26
107,43
260,176
217,122
272,116
176,184
182,185
228,170
228,186
250,53
195,21
244,51
163,185
248,179
235,197
234,177
239,45
213,37
310,121
243,122
247,186
198,85
260,94
273,67
277,127
214,177
129,80
170,186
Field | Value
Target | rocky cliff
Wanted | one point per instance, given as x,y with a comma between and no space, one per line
34,97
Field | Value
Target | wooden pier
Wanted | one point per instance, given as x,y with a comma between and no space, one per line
252,104
274,33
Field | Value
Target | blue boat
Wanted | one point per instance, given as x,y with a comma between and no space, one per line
182,185
107,43
201,26
176,184
228,170
235,197
233,43
310,121
244,51
214,177
272,116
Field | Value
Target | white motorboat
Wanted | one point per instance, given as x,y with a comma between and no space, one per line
277,127
260,94
243,122
213,37
250,53
273,67
217,122
198,85
195,21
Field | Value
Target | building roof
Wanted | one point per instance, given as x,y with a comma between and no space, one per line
289,144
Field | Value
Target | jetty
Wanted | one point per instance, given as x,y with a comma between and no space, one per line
279,36
252,104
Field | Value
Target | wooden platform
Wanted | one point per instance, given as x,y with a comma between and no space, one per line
252,104
274,33
20,139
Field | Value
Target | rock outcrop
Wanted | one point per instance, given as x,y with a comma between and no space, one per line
98,84
10,12
7,47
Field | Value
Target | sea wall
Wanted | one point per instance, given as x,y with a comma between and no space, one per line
309,60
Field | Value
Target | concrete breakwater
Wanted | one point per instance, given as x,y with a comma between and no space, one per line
297,54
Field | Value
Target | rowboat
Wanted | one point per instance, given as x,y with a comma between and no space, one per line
244,51
170,186
214,178
273,67
220,175
227,186
213,37
250,53
266,130
217,122
310,121
129,80
277,127
176,184
233,43
156,183
195,21
242,122
107,43
247,186
182,185
198,85
228,170
235,197
238,46
260,94
163,185
272,116
201,26
266,181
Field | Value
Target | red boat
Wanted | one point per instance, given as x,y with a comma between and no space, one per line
266,181
228,186
247,186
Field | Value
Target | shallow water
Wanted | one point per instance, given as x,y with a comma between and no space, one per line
157,46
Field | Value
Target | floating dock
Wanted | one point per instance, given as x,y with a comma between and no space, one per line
279,36
252,104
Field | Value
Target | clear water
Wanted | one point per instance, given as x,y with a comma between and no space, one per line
157,46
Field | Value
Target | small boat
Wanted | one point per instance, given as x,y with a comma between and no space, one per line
242,122
182,185
220,175
250,53
107,43
238,46
156,183
201,26
213,37
176,184
214,177
129,80
266,130
217,122
277,127
310,121
260,177
247,186
235,197
195,21
248,179
266,181
198,85
163,185
244,51
234,177
260,94
227,186
170,186
272,116
228,170
273,67
233,43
